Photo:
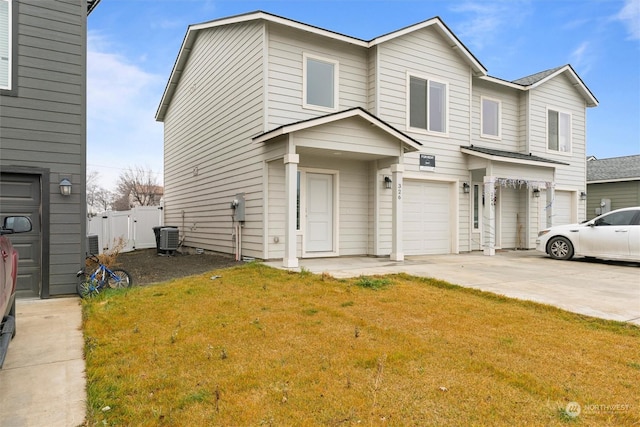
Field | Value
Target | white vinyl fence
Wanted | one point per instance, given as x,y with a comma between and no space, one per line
135,227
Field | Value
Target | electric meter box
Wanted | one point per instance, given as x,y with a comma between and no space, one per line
238,207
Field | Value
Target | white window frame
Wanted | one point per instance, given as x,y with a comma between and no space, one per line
482,113
336,83
9,85
428,80
560,112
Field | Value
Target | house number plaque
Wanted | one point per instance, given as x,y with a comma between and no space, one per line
427,162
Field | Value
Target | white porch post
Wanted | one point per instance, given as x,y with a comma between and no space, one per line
551,195
291,184
489,216
396,205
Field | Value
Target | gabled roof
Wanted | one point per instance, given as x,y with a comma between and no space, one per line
91,4
501,155
410,143
626,168
190,37
537,79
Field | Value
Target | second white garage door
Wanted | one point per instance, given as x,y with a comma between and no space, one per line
426,214
562,208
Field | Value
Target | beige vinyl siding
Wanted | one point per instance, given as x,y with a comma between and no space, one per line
208,161
425,53
285,80
510,116
353,135
560,95
44,124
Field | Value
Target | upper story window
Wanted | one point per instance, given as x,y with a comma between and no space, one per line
5,43
320,83
490,118
558,131
428,104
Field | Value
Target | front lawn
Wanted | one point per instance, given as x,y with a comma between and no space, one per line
261,346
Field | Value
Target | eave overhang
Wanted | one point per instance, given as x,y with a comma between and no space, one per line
509,156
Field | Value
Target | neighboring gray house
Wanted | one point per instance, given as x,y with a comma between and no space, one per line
612,183
43,64
284,141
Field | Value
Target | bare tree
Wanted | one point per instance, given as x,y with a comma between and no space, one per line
137,186
99,199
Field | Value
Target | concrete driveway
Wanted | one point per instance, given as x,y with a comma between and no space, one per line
609,290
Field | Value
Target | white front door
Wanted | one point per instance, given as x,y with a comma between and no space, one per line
319,213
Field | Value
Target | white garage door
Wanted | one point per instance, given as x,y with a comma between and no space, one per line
562,208
426,228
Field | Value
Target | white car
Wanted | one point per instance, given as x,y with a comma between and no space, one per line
614,235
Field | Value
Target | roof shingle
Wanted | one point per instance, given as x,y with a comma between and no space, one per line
614,168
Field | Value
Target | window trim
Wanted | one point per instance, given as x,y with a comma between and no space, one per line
559,111
488,135
12,16
336,83
428,80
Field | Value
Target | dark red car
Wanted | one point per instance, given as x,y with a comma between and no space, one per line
8,277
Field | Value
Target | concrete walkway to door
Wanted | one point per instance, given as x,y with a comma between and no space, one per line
42,382
609,290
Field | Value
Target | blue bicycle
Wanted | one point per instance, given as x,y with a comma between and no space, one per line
91,284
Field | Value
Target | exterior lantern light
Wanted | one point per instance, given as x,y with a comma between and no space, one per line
465,187
387,182
536,192
65,187
583,195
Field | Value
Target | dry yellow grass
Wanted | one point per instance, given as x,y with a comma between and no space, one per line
260,346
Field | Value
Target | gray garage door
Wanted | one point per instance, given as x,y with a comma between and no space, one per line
426,215
20,195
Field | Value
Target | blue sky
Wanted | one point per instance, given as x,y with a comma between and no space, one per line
132,46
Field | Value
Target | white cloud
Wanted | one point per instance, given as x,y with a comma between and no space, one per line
487,20
582,58
121,102
630,16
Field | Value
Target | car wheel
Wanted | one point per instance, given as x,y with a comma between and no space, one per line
560,248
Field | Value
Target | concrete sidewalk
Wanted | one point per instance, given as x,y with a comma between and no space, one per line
42,382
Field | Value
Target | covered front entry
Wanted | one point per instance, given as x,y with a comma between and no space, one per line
324,187
427,218
509,198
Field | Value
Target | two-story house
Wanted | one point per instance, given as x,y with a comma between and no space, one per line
43,64
284,140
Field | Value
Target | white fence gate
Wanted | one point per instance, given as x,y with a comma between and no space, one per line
135,227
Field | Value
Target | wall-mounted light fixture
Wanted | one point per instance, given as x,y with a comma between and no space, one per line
65,187
583,195
387,182
465,187
536,192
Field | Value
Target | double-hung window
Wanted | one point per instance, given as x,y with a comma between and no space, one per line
5,44
558,131
320,83
428,104
490,118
